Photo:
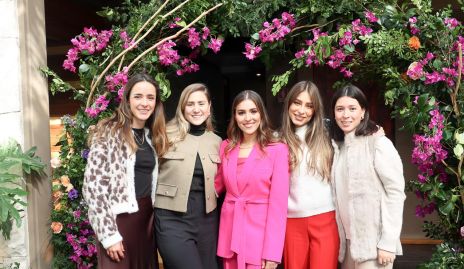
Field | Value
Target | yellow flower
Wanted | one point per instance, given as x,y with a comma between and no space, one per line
56,227
414,43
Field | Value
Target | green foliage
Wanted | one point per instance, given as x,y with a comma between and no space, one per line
445,257
14,164
57,84
12,266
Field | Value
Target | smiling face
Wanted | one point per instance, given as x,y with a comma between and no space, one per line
197,109
348,114
142,101
247,117
301,110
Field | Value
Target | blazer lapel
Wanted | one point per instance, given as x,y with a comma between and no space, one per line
249,167
232,169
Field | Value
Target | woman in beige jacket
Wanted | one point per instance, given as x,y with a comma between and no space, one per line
186,220
368,185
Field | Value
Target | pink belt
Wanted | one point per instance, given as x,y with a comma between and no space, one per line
238,242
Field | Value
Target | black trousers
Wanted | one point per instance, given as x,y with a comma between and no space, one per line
188,240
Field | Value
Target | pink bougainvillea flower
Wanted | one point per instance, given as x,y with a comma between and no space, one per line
251,51
205,33
300,54
415,71
215,44
370,16
193,38
128,42
116,81
451,23
434,77
187,66
166,55
288,19
174,24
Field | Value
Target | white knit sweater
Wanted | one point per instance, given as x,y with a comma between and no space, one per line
309,194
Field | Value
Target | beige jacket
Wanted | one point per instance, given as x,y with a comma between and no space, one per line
375,196
176,171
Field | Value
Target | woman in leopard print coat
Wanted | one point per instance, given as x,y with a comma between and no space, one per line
121,175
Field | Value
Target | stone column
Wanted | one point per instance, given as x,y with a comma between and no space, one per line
24,116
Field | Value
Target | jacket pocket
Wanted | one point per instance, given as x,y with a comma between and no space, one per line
166,190
215,158
174,155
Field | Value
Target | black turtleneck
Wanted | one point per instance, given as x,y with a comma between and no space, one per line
198,180
145,162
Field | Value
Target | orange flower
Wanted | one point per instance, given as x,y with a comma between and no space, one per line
414,43
56,182
56,195
67,183
57,227
57,206
65,180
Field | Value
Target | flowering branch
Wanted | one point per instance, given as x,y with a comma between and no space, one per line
454,95
173,36
97,81
154,24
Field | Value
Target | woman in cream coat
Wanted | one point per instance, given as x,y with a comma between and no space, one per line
368,185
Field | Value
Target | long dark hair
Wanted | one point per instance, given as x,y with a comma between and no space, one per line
265,132
366,127
120,122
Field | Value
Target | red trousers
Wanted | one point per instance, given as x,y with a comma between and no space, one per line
312,242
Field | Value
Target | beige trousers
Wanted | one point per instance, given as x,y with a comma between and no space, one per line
349,263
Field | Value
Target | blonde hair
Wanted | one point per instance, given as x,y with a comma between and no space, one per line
316,137
178,127
119,123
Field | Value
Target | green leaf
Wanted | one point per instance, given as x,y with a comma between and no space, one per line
458,150
459,137
84,68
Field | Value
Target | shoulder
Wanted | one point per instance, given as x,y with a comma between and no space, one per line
225,143
213,136
277,146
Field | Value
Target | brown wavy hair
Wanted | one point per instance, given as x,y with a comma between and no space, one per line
120,122
316,137
265,132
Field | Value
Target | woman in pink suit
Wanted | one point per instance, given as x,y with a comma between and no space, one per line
254,173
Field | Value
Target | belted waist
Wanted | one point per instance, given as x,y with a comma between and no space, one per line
238,243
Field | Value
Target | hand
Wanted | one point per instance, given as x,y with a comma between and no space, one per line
385,257
116,252
268,264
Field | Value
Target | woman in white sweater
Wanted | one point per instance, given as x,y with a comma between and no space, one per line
368,185
311,239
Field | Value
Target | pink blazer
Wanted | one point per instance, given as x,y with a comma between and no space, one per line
253,217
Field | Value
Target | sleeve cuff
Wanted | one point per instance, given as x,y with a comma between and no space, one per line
387,245
109,241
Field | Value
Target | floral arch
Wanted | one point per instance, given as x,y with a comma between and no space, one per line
414,50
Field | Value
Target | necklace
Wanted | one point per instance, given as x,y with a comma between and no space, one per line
139,140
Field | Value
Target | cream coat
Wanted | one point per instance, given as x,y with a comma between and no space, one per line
376,196
176,171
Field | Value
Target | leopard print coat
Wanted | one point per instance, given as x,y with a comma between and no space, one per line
109,187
